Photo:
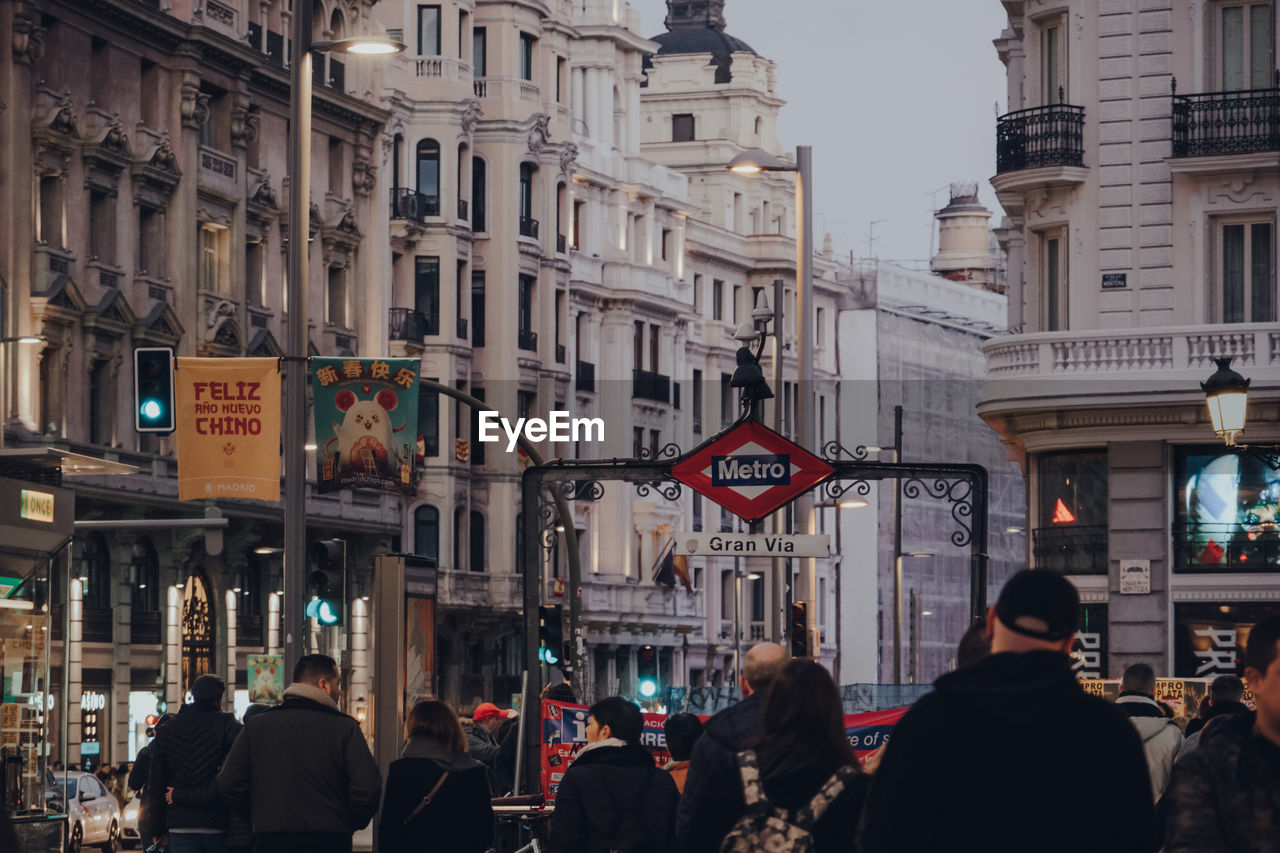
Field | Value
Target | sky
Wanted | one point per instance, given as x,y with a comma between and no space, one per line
897,100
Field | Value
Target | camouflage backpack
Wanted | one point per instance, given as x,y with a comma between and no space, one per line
765,828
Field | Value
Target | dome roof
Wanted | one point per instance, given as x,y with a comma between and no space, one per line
699,41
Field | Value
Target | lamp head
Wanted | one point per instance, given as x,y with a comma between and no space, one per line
1226,393
755,160
374,41
746,333
762,311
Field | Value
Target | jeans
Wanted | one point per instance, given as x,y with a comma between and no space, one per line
195,842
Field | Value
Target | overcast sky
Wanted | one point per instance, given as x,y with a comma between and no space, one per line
897,100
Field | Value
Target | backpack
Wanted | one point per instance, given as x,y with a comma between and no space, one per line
631,835
765,828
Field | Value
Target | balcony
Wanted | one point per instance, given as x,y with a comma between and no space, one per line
1040,136
481,87
248,631
1208,548
528,227
482,590
411,204
650,386
585,377
527,340
1074,550
462,209
144,627
405,324
560,353
1226,123
462,328
96,625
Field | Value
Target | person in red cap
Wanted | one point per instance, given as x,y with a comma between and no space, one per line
482,739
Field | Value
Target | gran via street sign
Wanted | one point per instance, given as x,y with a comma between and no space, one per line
753,544
751,470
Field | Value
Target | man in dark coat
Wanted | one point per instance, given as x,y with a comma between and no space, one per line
303,769
188,753
1225,693
613,797
1010,754
138,777
1225,795
712,798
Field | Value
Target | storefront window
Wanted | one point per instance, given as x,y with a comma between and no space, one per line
1071,533
1209,639
1225,514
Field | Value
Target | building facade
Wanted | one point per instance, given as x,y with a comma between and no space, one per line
1140,194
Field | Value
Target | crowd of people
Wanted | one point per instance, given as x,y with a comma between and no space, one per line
1007,753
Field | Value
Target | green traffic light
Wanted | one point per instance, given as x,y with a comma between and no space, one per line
152,410
323,611
648,688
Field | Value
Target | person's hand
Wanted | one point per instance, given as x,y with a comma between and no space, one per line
168,795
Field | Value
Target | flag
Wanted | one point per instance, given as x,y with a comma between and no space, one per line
681,565
664,570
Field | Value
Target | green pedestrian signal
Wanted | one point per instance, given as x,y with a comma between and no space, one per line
328,581
153,389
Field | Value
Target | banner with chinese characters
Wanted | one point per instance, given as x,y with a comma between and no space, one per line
366,413
227,412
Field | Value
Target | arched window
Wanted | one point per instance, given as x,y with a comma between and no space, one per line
459,537
145,576
477,541
429,168
462,160
426,532
526,191
477,195
95,572
249,580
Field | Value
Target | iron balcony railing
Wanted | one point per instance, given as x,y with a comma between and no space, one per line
1226,122
527,340
144,626
586,376
528,227
1226,547
646,385
411,204
1071,550
1040,136
405,324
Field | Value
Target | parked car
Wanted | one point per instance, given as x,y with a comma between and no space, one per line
129,836
93,813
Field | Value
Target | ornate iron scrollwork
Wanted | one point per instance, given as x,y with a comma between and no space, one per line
670,450
669,489
834,451
959,493
834,490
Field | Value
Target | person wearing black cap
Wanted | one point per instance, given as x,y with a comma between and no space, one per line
1010,754
182,797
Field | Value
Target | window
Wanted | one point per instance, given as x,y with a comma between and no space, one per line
524,308
1071,512
697,402
477,195
579,216
477,308
429,168
213,246
479,51
561,65
655,339
666,242
102,226
1223,506
682,127
426,291
428,31
526,56
255,273
95,572
737,302
726,399
697,294
335,166
717,299
477,541
1053,278
477,447
151,241
637,442
429,421
102,403
426,532
335,303
638,344
819,335
1245,30
526,190
728,595
150,94
52,216
1053,61
145,579
1245,274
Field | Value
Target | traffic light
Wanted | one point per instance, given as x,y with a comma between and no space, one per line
153,389
799,631
328,581
647,672
551,634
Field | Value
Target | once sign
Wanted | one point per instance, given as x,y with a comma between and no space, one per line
753,545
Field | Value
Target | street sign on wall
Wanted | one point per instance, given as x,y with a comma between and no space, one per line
751,470
753,544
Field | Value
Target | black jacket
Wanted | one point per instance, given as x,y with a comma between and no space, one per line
186,755
602,787
712,798
1010,755
459,818
1225,796
302,767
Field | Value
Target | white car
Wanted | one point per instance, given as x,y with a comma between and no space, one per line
93,815
129,836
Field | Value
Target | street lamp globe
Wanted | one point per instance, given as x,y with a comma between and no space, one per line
756,160
1226,393
367,46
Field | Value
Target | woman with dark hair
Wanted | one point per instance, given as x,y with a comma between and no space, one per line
437,797
803,749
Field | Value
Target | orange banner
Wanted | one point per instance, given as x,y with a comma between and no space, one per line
228,418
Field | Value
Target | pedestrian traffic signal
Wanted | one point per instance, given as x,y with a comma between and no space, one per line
328,581
551,634
647,672
799,630
153,389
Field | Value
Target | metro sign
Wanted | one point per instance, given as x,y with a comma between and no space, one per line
751,470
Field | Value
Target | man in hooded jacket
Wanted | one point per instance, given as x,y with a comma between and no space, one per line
1161,738
1010,754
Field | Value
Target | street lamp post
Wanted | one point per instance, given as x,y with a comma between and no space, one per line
295,359
750,162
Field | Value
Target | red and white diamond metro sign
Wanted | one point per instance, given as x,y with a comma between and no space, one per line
751,470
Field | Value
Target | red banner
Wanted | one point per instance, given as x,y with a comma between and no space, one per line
564,733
